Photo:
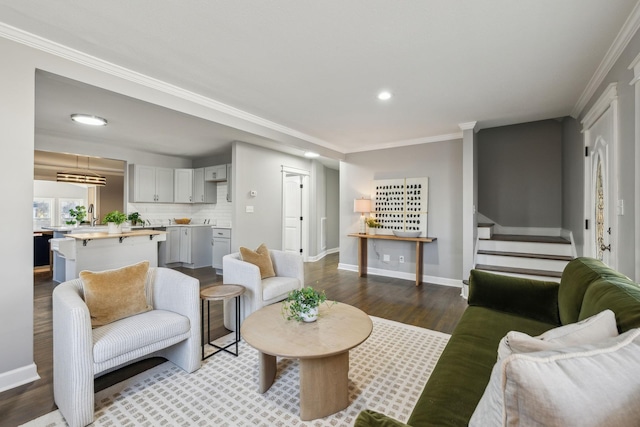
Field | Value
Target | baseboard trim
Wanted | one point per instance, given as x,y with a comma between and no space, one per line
322,255
18,377
456,283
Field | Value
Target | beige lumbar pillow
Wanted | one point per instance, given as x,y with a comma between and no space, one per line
593,329
259,257
115,294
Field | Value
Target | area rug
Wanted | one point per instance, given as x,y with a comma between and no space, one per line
386,373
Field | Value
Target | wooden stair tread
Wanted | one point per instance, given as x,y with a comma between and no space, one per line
519,270
527,255
525,238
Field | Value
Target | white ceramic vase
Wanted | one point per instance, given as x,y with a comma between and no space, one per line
371,231
114,228
311,315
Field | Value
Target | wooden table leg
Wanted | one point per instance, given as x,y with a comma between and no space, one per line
419,257
362,256
324,386
267,371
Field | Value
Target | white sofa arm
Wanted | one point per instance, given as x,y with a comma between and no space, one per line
72,354
288,265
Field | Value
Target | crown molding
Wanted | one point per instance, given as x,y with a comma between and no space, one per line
621,41
76,56
409,142
609,95
468,126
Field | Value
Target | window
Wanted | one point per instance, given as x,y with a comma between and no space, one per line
42,212
65,206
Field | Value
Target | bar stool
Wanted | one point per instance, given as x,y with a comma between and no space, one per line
220,293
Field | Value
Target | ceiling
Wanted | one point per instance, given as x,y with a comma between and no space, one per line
315,67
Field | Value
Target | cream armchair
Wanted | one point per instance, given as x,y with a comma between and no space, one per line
289,270
171,330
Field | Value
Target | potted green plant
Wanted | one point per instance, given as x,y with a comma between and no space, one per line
78,214
372,223
114,220
302,304
134,218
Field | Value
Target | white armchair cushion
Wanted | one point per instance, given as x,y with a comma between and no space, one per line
275,287
139,331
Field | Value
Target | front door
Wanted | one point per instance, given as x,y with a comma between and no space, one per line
600,188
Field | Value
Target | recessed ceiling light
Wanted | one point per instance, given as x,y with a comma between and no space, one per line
311,154
384,95
88,119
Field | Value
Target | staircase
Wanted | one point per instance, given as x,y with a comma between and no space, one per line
536,257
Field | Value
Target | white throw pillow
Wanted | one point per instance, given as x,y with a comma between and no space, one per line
593,329
589,385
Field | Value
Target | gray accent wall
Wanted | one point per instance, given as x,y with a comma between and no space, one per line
442,163
520,174
573,181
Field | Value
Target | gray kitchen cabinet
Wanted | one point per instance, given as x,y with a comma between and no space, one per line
183,186
185,245
150,184
221,246
173,245
215,173
203,191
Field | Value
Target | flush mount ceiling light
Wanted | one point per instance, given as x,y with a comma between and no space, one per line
311,154
87,178
88,119
384,95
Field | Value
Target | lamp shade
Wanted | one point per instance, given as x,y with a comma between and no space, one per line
362,205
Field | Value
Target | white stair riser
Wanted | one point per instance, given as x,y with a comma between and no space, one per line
525,247
485,232
520,262
528,276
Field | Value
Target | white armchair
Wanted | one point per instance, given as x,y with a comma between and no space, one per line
171,330
289,270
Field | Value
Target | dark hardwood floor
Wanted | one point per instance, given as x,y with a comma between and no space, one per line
428,306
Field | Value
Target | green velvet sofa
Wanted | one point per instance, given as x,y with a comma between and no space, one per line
499,304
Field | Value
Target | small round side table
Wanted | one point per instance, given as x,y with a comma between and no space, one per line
220,293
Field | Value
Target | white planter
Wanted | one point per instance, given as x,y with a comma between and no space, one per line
114,228
371,231
311,315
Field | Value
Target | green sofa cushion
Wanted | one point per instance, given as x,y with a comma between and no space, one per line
577,276
458,381
369,418
525,297
620,295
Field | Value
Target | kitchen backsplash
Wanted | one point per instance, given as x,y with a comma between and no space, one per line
161,213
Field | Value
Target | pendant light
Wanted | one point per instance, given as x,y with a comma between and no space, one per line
89,178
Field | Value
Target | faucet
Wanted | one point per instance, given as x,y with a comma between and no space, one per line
93,217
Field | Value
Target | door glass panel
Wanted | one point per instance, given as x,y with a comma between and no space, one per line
599,213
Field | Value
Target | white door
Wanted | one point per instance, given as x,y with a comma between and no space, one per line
293,214
600,190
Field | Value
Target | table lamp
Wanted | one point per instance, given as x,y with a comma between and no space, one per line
363,206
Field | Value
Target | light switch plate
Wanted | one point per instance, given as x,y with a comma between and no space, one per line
249,209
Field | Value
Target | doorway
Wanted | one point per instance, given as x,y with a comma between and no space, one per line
600,192
295,211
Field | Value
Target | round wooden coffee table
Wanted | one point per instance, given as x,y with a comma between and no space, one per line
322,347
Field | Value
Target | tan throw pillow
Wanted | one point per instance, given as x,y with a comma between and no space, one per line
259,257
115,294
595,328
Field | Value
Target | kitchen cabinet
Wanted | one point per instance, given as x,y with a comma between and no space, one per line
203,191
215,173
189,246
221,246
150,184
183,186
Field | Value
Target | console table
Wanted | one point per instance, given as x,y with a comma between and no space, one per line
362,250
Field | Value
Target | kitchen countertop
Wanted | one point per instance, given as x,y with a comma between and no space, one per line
92,236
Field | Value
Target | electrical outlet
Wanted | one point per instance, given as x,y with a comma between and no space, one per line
386,258
401,259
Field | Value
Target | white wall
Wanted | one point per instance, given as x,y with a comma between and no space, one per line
441,162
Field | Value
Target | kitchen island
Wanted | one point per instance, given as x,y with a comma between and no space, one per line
98,251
